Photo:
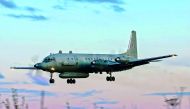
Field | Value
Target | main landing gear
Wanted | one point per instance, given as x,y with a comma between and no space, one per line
110,78
51,81
71,81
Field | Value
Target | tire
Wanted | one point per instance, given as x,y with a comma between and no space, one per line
51,81
108,78
113,78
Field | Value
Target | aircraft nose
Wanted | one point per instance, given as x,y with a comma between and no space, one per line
38,65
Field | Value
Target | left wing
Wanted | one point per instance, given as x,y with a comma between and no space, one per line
148,60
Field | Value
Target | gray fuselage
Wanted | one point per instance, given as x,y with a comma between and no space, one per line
73,62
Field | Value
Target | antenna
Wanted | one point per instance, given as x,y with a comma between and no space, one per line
181,96
175,102
27,107
0,102
101,107
6,103
68,105
189,102
134,106
23,102
95,106
15,98
42,100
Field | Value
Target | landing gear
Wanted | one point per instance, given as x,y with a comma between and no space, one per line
110,78
51,81
71,81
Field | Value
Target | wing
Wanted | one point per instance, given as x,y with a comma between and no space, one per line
148,60
27,68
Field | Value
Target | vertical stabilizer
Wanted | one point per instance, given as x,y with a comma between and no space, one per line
132,48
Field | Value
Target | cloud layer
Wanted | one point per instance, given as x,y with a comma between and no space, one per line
30,17
38,79
115,5
9,4
26,91
101,1
85,94
1,76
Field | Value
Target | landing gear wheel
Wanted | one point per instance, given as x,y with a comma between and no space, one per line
74,81
71,81
68,81
113,78
51,81
110,78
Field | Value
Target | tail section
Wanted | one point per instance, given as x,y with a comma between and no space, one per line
132,48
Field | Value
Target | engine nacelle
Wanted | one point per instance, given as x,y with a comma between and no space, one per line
121,60
66,75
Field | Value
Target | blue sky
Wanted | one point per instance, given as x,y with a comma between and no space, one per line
40,27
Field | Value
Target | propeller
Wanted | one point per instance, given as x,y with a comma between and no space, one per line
37,75
34,60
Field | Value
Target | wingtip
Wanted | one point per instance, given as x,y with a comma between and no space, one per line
174,55
12,67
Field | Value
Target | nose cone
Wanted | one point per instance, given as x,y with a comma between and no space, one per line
38,66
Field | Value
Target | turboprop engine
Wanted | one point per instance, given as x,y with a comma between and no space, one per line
121,60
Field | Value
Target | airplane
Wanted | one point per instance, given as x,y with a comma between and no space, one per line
73,66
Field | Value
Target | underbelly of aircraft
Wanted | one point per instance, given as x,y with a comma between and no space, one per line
91,69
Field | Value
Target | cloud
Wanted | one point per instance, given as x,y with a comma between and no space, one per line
31,17
1,76
169,93
8,4
106,102
59,7
117,8
26,91
31,9
85,94
101,1
38,79
12,83
11,5
114,5
76,107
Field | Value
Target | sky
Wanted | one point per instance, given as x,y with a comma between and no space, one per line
31,30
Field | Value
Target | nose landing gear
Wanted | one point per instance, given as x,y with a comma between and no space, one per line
51,81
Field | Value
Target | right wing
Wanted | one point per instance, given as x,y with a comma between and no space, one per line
148,60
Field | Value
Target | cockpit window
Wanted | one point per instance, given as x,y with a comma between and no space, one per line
48,59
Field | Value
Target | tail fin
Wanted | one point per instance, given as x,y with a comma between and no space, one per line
132,48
